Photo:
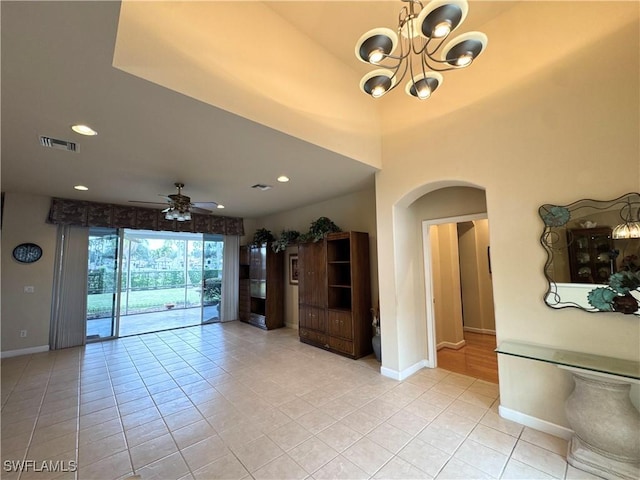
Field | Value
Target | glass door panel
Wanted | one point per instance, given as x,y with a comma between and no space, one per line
102,284
213,249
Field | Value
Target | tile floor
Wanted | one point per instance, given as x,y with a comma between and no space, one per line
232,401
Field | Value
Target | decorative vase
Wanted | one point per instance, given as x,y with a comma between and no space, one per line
375,342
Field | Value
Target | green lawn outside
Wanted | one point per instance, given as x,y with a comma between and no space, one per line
99,305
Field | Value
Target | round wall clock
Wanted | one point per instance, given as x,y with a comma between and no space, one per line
27,253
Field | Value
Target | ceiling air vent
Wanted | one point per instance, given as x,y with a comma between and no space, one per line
58,144
261,186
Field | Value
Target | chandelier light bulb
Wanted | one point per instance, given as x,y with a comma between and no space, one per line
375,56
465,59
377,91
423,92
442,29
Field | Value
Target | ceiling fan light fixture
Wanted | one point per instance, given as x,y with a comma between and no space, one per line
82,188
220,206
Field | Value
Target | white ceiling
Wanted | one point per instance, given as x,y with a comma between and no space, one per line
58,69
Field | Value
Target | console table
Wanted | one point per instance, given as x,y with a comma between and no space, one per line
606,425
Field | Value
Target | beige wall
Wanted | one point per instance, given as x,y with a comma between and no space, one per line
355,212
447,303
477,289
567,133
24,221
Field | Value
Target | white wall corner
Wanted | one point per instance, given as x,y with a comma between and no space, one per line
535,423
24,351
404,374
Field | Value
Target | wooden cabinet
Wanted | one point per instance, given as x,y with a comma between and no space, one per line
334,294
589,255
261,287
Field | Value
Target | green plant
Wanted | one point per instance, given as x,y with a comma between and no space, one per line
262,236
286,238
321,227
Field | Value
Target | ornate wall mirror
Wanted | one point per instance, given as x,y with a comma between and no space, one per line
593,250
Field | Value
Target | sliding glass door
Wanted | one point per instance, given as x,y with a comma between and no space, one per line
102,282
168,280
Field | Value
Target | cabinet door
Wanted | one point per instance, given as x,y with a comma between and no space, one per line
340,324
313,272
313,318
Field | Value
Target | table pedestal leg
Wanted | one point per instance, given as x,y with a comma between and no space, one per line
606,425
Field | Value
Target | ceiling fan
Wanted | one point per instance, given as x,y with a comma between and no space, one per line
180,207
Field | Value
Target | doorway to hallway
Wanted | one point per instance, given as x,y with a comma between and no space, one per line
459,293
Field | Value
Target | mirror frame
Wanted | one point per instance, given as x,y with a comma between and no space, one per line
621,293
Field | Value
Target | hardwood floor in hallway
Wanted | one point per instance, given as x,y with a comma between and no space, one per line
476,359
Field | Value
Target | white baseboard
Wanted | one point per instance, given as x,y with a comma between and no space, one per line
479,330
535,423
406,373
451,345
24,351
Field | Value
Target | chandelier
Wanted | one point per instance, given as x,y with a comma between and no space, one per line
629,228
179,206
423,54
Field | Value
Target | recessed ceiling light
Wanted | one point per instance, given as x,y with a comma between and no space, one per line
220,206
283,179
83,130
81,187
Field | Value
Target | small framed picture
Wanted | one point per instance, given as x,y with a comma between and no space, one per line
293,268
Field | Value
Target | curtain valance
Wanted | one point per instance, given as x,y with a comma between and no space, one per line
93,214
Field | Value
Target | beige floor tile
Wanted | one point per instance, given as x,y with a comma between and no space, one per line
257,453
152,450
58,416
289,435
339,436
202,453
459,380
96,418
575,474
102,430
453,391
296,408
424,408
51,467
112,467
53,447
458,470
546,441
282,468
338,408
340,469
225,468
367,455
475,398
467,410
136,405
483,458
140,418
361,421
183,418
172,466
399,469
425,457
145,432
494,439
540,459
316,421
408,422
89,453
493,420
516,470
389,437
44,434
193,433
312,454
441,437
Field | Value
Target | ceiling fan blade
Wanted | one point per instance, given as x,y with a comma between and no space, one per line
205,204
166,197
166,210
200,210
150,203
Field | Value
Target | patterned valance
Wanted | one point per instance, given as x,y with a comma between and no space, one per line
94,214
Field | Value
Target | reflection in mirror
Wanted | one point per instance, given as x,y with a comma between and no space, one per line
593,252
